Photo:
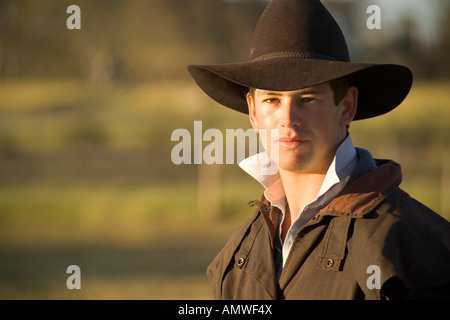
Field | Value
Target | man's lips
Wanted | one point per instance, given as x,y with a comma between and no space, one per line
292,139
291,142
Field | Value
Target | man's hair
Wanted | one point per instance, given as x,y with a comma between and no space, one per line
339,86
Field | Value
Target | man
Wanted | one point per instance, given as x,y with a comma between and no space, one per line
332,222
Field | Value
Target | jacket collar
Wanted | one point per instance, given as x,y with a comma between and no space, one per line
362,195
358,198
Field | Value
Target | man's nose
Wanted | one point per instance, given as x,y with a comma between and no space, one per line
290,114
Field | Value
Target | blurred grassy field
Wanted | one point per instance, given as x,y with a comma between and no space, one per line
86,178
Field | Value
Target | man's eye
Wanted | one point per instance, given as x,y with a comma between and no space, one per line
270,100
308,99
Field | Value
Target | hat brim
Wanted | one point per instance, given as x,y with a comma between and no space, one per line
382,87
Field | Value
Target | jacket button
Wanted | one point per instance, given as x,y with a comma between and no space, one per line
330,263
240,262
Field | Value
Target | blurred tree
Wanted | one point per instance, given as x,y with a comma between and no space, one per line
122,41
127,41
443,49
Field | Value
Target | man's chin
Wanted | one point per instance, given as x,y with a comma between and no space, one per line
294,165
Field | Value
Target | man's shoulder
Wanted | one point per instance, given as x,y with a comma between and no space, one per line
402,210
241,240
236,238
406,239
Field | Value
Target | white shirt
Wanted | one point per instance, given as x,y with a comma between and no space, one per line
337,176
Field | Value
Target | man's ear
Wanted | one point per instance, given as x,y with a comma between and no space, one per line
252,112
349,104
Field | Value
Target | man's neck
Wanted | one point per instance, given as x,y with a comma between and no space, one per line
301,189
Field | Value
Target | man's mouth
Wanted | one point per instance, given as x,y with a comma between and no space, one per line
291,142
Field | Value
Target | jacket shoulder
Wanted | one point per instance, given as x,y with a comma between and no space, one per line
407,242
219,265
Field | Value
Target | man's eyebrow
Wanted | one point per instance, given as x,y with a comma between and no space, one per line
300,91
270,93
310,91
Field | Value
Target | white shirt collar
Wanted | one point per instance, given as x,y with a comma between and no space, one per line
341,165
257,166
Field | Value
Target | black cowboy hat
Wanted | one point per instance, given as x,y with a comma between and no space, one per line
298,44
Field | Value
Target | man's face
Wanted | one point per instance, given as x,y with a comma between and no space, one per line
304,127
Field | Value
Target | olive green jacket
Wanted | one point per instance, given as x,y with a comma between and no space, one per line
373,241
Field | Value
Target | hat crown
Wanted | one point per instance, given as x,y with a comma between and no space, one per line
298,28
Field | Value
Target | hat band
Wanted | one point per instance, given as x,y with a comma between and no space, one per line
293,54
